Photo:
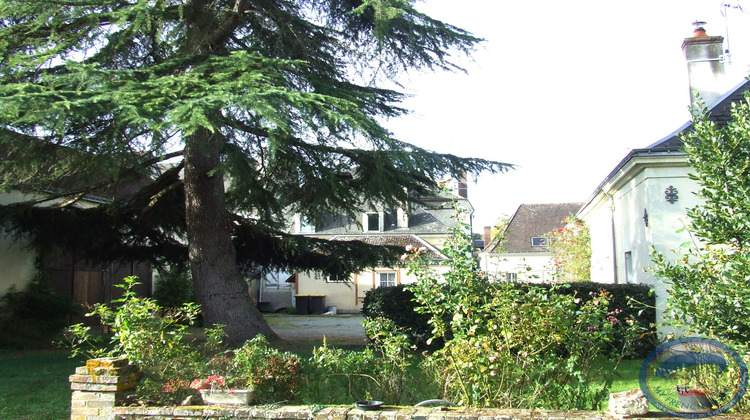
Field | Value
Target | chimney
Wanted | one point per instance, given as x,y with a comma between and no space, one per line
463,187
402,218
487,235
705,65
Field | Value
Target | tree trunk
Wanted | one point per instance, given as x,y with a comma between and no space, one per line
219,286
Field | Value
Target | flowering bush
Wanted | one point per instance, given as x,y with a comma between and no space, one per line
571,246
516,347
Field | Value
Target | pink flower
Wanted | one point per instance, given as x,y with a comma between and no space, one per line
211,381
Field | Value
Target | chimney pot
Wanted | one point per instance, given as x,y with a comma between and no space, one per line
705,65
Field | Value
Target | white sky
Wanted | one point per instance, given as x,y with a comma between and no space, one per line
562,89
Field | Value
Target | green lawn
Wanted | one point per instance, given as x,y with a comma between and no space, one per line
35,384
626,377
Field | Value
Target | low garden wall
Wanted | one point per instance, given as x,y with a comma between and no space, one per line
99,388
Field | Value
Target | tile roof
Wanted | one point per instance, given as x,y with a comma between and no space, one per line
395,240
434,217
533,220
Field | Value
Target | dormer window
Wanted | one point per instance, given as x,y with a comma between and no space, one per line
538,241
303,225
373,222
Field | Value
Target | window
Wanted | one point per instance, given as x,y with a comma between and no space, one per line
629,269
538,241
304,225
330,279
511,276
373,222
386,279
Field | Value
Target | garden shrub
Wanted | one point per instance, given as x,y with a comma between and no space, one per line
386,370
174,286
636,301
35,316
397,304
155,340
517,347
274,375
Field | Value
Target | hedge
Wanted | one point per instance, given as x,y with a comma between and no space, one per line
634,300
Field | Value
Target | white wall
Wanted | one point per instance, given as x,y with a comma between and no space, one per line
599,218
532,267
639,189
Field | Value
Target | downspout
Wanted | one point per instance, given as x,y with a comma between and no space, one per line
614,234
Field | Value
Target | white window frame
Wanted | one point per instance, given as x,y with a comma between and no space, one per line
333,280
366,221
379,282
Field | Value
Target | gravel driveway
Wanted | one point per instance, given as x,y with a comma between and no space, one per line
337,329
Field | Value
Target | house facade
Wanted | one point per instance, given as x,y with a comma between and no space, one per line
426,226
642,204
520,252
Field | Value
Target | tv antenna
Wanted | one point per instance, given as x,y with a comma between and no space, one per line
725,7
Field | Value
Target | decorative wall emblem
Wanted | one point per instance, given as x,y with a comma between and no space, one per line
645,217
670,194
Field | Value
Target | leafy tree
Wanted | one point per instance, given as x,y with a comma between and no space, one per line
571,246
709,291
255,104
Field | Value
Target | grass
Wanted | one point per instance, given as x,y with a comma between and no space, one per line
626,377
35,384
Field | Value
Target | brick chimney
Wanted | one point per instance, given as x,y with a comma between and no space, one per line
705,65
487,235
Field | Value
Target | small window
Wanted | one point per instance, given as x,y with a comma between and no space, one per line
386,279
511,276
330,279
303,224
373,222
538,241
629,268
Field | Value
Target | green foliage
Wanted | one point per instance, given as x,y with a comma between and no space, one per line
274,375
174,287
708,278
96,98
510,346
635,301
397,304
153,339
35,316
571,246
386,370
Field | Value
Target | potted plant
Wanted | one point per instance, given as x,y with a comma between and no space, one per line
215,390
255,372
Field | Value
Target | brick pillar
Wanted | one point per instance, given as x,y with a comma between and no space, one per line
98,387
